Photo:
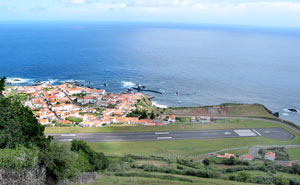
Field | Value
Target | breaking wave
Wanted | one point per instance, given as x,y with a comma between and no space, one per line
158,105
17,80
128,84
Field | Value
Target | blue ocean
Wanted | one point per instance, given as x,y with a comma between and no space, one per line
204,64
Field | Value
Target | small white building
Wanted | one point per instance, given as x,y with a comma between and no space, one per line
205,119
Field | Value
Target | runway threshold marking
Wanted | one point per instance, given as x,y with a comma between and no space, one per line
162,133
161,138
245,132
256,132
66,140
68,135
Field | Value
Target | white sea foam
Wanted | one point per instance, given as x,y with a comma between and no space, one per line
128,84
285,114
49,81
158,105
72,81
17,80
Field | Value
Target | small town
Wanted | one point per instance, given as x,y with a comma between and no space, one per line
68,105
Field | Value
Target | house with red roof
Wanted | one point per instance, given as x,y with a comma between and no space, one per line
95,91
43,121
246,157
226,155
172,118
270,156
65,122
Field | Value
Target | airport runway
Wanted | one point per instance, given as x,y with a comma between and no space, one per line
273,133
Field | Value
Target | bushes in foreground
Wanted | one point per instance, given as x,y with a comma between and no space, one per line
63,162
60,162
205,173
98,161
19,158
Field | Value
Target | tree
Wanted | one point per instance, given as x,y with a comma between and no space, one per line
2,85
18,126
144,115
296,168
152,115
206,161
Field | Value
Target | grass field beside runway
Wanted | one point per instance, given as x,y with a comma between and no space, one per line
294,153
230,124
159,179
194,149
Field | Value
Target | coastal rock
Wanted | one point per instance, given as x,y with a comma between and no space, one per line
276,114
293,110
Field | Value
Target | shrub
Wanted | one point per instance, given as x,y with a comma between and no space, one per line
19,158
189,163
97,160
262,180
118,167
60,162
296,168
281,181
243,176
82,163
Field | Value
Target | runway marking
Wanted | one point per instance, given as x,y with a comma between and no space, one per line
245,132
115,136
227,133
66,140
162,133
267,131
164,137
256,132
68,135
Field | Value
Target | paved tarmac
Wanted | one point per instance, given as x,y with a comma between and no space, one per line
273,133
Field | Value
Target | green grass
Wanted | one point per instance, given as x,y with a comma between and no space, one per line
294,153
183,119
230,124
152,162
248,110
116,180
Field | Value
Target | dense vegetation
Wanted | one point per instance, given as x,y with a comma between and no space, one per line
24,145
234,169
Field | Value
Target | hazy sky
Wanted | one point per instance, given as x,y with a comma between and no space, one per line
284,13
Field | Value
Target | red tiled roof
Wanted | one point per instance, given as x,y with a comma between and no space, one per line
270,154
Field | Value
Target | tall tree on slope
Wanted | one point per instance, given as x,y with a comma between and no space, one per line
2,85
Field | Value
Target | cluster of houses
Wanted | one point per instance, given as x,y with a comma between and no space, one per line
268,156
57,104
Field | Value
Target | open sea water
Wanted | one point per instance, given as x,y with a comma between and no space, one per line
205,64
